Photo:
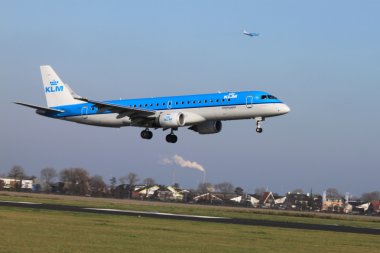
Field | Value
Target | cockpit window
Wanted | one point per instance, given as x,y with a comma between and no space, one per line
268,97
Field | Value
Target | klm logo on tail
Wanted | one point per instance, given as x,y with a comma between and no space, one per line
54,87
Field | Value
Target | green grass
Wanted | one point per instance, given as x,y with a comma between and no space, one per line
28,230
232,212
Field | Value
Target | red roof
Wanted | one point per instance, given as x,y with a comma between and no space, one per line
376,205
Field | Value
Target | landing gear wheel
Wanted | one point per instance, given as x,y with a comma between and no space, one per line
258,124
146,134
171,138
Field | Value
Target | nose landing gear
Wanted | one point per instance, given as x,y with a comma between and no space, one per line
259,129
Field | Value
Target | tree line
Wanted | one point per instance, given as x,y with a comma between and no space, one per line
78,181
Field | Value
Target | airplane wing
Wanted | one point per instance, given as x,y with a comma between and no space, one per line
41,109
123,111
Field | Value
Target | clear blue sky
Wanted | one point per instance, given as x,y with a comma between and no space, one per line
321,57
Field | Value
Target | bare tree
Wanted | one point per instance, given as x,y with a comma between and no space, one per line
370,196
123,180
260,190
225,187
239,191
333,193
47,176
205,188
97,186
149,181
2,184
76,180
113,182
130,179
17,172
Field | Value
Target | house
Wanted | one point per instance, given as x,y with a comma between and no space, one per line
267,200
237,199
123,191
147,191
375,207
208,198
253,200
11,184
169,193
298,201
333,204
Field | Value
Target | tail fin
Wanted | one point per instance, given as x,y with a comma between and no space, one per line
57,92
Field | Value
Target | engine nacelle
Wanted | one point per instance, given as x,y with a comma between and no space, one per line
208,127
169,120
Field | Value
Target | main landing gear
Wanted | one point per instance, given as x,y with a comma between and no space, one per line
147,135
171,138
259,129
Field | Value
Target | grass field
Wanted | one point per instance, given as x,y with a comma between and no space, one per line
27,230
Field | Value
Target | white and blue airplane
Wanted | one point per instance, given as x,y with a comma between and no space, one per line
250,34
201,113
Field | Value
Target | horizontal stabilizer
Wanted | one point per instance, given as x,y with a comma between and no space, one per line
41,109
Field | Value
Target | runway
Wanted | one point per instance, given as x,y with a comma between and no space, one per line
225,220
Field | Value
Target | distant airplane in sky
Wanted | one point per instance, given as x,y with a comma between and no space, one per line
250,34
201,113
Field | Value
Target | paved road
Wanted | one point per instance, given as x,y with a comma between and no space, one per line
250,222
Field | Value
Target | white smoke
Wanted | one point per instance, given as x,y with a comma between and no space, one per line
166,161
178,160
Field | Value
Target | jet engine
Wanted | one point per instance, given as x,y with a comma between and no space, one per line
170,120
208,127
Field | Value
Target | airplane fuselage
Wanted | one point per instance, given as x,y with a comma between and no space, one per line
196,108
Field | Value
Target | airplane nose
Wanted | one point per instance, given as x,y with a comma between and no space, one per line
283,108
286,109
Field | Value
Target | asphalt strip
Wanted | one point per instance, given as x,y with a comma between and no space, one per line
154,213
247,222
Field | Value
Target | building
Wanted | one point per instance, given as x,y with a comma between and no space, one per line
267,200
208,198
13,184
